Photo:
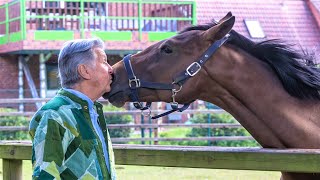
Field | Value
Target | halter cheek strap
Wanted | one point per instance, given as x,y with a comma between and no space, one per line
192,70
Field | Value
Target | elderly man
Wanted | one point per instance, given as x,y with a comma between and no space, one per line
70,139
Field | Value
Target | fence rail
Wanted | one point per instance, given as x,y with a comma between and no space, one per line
152,126
143,127
290,160
217,138
131,112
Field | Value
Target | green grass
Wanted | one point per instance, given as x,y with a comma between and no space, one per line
172,132
175,132
170,173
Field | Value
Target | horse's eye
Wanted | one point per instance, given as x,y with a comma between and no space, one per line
166,49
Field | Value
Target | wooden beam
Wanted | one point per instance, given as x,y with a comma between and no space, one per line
117,126
31,84
216,138
131,112
291,160
12,169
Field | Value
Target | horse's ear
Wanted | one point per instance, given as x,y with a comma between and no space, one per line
220,30
229,14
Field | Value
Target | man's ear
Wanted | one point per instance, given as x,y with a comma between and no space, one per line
84,71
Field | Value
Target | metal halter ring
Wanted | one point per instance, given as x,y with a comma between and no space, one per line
136,81
146,114
176,91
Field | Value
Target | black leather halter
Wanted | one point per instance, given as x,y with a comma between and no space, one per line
192,70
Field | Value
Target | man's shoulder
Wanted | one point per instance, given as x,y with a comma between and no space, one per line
52,108
52,111
55,103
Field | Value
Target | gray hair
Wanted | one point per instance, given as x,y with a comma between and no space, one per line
74,53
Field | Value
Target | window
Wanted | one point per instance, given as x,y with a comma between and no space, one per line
52,77
254,28
53,4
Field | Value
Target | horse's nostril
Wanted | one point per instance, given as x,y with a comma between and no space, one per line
113,77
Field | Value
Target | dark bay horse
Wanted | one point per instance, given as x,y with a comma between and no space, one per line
271,89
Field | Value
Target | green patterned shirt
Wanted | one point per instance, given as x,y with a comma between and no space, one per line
64,143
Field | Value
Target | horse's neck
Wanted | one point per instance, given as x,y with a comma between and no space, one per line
251,92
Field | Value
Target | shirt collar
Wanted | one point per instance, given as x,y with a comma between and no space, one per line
82,96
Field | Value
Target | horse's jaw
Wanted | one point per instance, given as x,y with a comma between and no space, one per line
117,96
116,99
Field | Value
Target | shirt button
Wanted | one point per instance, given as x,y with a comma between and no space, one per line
85,107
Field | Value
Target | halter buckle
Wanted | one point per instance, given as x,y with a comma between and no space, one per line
136,81
193,69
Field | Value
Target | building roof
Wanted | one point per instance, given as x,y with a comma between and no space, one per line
288,20
316,3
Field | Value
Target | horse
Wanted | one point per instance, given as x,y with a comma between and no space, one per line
269,87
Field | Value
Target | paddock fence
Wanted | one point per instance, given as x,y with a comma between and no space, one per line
152,128
289,160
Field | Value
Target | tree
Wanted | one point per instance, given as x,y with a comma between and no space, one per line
118,119
220,118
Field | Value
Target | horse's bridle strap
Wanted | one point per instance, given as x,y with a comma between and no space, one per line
184,107
140,83
195,67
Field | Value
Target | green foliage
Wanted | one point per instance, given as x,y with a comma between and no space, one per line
13,121
219,118
174,132
118,119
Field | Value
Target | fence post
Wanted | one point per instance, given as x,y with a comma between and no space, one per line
142,129
209,129
150,130
12,169
155,135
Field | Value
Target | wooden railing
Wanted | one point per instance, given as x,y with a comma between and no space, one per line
152,128
62,18
290,160
143,127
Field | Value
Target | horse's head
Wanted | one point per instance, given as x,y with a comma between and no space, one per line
164,61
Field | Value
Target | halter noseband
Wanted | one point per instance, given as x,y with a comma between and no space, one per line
192,70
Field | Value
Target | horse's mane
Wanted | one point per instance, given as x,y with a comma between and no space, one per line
297,71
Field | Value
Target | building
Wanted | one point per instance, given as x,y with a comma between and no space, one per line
32,31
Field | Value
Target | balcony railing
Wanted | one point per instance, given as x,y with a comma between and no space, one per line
95,16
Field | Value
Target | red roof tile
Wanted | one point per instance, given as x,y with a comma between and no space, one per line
288,20
316,3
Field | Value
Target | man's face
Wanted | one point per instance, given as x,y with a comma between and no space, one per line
102,72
